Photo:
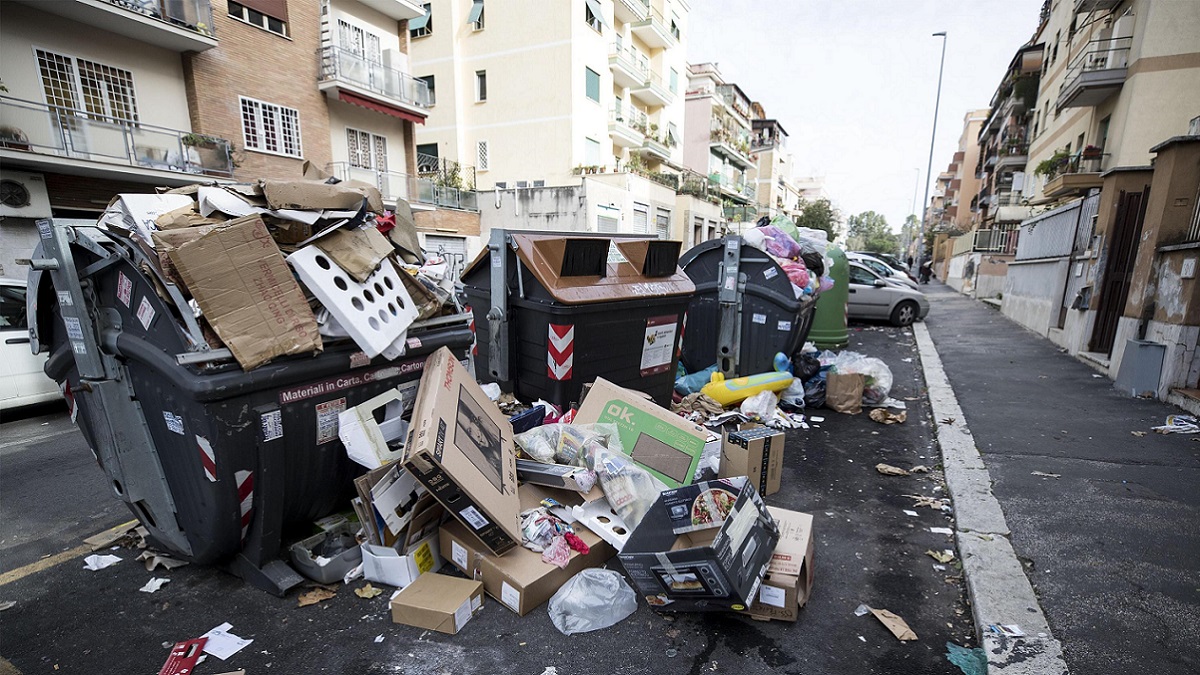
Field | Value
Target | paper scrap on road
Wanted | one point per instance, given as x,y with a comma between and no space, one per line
920,468
862,610
885,416
1179,424
941,530
1009,629
922,500
814,418
914,514
153,585
110,536
367,591
895,624
153,560
98,562
378,639
1139,434
318,594
889,470
223,644
942,556
1046,475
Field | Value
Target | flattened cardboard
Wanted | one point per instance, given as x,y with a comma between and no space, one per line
754,451
461,449
315,195
438,602
365,439
520,580
247,292
716,569
789,580
665,444
359,252
182,218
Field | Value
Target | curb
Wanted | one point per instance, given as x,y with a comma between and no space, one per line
999,591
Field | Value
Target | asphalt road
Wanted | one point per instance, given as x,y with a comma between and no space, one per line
69,620
1111,545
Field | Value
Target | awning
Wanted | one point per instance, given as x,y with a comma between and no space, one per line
476,12
380,107
594,5
419,22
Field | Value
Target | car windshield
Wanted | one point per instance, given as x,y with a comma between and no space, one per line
861,275
879,267
12,308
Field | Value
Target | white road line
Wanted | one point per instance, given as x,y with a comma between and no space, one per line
36,439
999,590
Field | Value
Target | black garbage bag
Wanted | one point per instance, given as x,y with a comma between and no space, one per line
805,366
814,262
814,392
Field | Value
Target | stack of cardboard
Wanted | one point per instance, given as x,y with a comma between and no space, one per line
224,246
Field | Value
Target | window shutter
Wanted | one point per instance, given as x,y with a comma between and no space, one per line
276,9
481,154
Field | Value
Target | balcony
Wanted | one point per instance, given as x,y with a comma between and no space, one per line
399,10
177,25
652,91
1073,174
734,188
55,138
657,148
351,77
655,31
1095,74
630,68
631,11
627,127
736,150
1084,6
417,191
1013,154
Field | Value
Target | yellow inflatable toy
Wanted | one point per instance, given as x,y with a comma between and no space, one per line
729,392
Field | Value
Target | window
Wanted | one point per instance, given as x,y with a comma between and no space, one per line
592,84
501,185
359,42
662,223
539,183
481,156
591,152
267,127
430,82
422,25
480,86
593,16
86,86
12,308
641,218
672,135
608,219
861,275
675,26
366,150
674,81
269,15
475,18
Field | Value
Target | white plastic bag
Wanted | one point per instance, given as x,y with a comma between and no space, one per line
630,489
591,600
760,406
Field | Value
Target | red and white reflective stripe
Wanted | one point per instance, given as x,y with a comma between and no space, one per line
69,396
208,458
245,488
682,331
471,325
560,351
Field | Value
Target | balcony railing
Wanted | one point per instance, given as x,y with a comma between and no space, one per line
344,65
445,172
1066,230
1095,73
632,60
190,14
412,189
995,241
65,132
631,117
1076,163
656,32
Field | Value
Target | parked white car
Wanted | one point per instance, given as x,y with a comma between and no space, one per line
873,297
22,380
882,269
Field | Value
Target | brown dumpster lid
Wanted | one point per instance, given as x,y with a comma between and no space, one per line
579,269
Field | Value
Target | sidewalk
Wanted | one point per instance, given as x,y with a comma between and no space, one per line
1112,544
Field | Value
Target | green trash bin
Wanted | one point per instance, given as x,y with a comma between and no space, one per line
829,324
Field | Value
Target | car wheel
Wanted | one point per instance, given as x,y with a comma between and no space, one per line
904,313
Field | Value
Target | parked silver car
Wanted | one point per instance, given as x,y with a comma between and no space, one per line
882,269
873,297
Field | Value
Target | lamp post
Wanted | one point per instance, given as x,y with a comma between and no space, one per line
929,168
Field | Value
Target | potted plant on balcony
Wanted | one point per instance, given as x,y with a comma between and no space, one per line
1053,165
1091,152
209,153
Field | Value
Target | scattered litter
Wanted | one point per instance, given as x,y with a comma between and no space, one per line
1097,375
942,530
940,568
111,536
153,560
908,360
1008,629
895,624
1179,424
318,594
947,420
368,591
7,604
378,639
862,610
153,585
889,470
1045,475
914,514
551,670
862,638
920,468
969,661
183,657
223,644
1139,434
814,418
492,390
922,500
942,556
885,416
98,562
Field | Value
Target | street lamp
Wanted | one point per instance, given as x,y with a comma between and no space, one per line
929,168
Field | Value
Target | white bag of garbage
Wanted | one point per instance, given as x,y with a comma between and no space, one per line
591,600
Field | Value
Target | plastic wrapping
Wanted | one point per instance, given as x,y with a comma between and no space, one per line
761,406
877,377
630,489
591,600
694,382
796,272
779,243
560,443
794,395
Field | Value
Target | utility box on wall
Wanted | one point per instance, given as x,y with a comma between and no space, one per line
1141,368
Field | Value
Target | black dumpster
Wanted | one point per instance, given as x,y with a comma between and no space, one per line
574,307
217,463
744,311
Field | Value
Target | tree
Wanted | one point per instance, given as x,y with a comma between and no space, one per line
819,214
869,231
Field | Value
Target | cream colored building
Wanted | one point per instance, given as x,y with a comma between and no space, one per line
776,189
717,134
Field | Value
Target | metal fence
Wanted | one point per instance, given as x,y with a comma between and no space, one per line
1059,232
413,189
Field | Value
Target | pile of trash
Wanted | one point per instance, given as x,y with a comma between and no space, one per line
800,251
280,267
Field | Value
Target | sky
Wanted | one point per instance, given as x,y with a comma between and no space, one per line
854,81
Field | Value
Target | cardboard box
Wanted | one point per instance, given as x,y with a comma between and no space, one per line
386,565
461,449
678,567
788,583
667,445
561,476
519,579
754,451
359,252
318,195
247,292
369,442
438,602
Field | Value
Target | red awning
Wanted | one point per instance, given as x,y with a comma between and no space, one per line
380,107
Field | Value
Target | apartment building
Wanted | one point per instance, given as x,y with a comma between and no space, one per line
718,134
777,192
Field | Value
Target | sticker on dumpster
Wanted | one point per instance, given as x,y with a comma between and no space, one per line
272,425
74,329
658,348
474,518
359,359
43,227
64,299
78,347
771,272
174,422
145,312
208,458
341,382
759,318
560,351
785,326
327,419
124,289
